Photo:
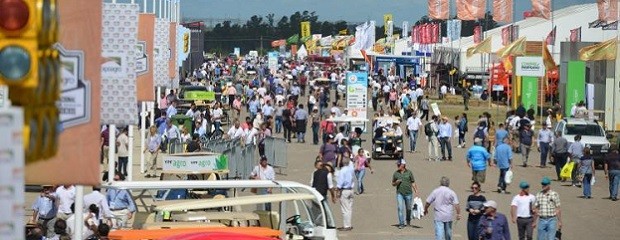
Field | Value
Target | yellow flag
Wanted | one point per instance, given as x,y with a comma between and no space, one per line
547,58
386,18
507,64
343,32
516,48
305,29
603,51
310,44
482,47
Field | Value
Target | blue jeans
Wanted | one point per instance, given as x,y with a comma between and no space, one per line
544,151
278,124
502,178
315,133
547,228
472,229
587,187
614,181
413,134
359,175
404,205
443,230
217,125
383,141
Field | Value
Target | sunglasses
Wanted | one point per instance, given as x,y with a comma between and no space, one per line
475,188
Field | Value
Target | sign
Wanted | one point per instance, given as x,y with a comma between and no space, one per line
357,96
272,59
435,109
74,103
183,44
195,162
530,67
529,92
12,192
199,96
575,85
237,51
305,29
142,61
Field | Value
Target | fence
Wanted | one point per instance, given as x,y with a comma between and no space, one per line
241,159
276,152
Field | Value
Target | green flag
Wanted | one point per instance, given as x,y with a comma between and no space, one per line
293,39
305,39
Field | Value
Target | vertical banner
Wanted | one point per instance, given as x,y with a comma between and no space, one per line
119,103
415,34
79,141
506,35
305,29
541,8
390,30
477,34
529,92
405,28
453,29
386,19
272,61
607,10
438,9
575,84
184,44
502,11
435,34
470,9
575,35
12,187
144,57
160,53
172,56
357,95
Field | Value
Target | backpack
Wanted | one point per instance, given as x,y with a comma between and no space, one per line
428,130
479,133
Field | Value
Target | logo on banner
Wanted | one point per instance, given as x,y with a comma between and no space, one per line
142,63
112,65
352,78
530,67
74,103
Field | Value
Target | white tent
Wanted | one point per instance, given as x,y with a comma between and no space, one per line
302,52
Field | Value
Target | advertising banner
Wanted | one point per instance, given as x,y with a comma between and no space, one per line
305,29
118,69
184,44
172,55
530,67
357,96
195,162
161,53
529,92
144,57
502,11
386,19
272,60
575,85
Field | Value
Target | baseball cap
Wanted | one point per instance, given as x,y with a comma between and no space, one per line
545,181
315,108
401,161
490,203
477,140
524,185
330,136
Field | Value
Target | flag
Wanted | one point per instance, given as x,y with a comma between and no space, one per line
575,35
278,43
611,26
438,9
517,48
454,29
435,33
390,29
477,34
507,35
343,32
470,9
541,8
502,11
548,59
482,47
550,40
305,39
596,24
405,29
607,10
508,64
293,39
603,51
305,29
386,18
310,44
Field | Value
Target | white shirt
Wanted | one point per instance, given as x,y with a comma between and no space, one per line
172,132
231,131
217,114
398,132
123,146
312,100
419,92
250,134
524,204
66,197
86,232
97,198
414,123
264,173
444,89
339,138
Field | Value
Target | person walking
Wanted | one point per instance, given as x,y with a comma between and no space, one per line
500,134
301,119
345,192
545,137
475,209
612,172
575,150
425,106
316,122
521,211
445,136
431,130
462,127
45,209
322,180
152,148
548,215
263,171
405,185
503,160
526,137
121,205
122,143
559,152
445,202
361,163
413,125
477,158
493,225
586,172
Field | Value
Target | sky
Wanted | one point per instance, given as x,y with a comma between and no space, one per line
331,10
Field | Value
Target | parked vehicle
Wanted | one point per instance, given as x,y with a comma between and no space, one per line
592,135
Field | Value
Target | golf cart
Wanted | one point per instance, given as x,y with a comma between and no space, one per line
389,144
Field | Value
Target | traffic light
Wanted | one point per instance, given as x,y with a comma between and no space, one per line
31,68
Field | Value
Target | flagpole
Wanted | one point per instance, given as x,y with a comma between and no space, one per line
616,78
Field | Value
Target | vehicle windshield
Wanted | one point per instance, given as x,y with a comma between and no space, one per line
584,130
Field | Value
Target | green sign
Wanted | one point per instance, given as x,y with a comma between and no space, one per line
529,92
575,85
199,95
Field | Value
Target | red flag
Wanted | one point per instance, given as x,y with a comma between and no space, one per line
575,35
506,36
438,9
470,9
502,11
541,8
477,34
551,37
434,33
415,34
607,10
426,34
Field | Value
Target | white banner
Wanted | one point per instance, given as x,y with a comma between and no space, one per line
161,53
405,33
184,43
530,67
195,162
118,69
357,96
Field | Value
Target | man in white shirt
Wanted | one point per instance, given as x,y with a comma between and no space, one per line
264,172
216,116
122,143
99,199
443,91
172,134
521,211
413,125
445,135
191,112
172,109
66,197
235,131
268,109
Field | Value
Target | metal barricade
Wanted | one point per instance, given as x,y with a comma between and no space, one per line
241,158
276,152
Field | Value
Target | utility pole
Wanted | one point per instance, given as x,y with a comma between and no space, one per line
261,44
